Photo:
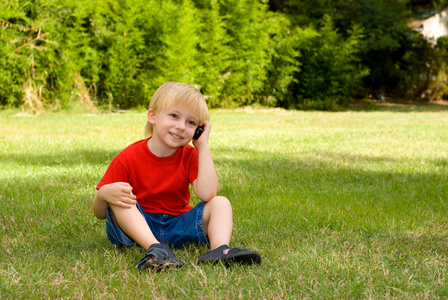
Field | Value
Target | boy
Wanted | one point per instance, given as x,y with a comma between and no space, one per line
144,194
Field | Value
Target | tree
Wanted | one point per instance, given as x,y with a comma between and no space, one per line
330,73
395,57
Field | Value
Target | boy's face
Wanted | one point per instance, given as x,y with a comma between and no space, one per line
173,127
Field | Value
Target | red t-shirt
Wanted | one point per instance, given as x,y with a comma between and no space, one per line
161,184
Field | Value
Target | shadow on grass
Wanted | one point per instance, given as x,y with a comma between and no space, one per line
285,197
62,158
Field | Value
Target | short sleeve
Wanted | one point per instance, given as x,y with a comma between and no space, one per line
116,172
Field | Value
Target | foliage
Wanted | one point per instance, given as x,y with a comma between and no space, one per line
330,74
304,54
116,53
399,61
395,56
438,88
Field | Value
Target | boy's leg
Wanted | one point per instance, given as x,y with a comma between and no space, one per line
217,221
217,225
132,222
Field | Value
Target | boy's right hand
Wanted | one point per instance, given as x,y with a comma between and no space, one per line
119,194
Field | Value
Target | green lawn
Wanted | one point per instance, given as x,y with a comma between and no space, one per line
339,205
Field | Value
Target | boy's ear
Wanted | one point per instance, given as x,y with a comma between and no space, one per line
151,116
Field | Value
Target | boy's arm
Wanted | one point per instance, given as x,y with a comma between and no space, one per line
118,193
206,184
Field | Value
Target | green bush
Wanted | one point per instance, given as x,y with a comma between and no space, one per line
330,73
401,63
115,53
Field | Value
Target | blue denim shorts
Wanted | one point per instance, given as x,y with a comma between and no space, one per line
173,230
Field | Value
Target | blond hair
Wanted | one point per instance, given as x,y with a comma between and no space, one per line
180,95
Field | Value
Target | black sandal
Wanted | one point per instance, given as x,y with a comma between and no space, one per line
234,256
165,258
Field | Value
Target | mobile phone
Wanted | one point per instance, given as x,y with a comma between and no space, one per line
198,132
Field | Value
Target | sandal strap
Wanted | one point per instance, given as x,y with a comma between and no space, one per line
214,255
235,250
220,250
160,251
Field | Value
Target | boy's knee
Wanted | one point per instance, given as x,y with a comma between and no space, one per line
220,200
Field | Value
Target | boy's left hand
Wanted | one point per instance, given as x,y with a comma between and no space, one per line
203,139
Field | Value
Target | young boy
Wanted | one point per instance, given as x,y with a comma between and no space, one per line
144,194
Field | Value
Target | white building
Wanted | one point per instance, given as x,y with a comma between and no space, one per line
432,27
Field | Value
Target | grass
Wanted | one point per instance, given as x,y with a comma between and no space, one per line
340,205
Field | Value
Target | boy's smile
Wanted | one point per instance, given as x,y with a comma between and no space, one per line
172,128
176,136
